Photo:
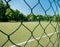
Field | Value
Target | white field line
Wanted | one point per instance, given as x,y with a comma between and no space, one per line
33,39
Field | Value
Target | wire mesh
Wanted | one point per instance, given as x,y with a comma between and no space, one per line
57,5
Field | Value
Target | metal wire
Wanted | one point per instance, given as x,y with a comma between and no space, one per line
57,5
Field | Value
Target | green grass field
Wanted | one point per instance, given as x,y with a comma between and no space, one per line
22,34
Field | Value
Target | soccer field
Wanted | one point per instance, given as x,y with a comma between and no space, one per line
23,34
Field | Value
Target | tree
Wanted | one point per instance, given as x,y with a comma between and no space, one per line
22,17
9,14
47,17
31,17
15,15
56,17
3,8
39,17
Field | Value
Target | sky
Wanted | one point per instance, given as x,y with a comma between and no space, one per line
23,8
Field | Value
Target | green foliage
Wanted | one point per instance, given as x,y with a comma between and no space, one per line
3,8
31,17
56,17
40,17
15,15
47,17
8,14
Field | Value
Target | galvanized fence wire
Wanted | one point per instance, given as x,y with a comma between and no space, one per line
57,5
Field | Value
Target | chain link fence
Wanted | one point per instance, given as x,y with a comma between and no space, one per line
57,5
